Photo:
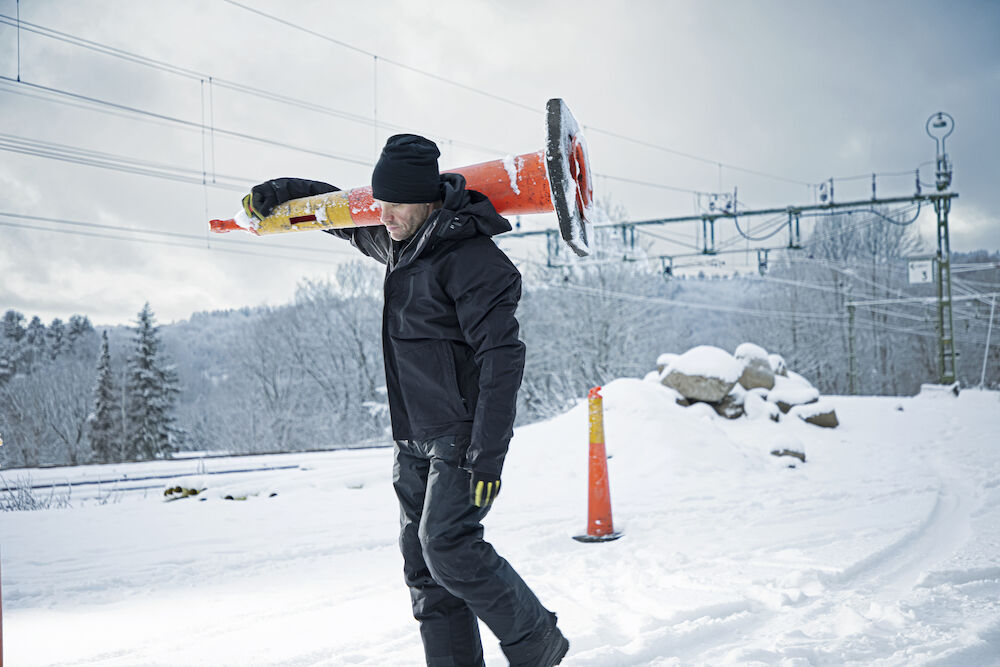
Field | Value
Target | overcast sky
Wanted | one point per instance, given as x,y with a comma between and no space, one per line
768,97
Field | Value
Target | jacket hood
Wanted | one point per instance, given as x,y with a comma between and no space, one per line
466,213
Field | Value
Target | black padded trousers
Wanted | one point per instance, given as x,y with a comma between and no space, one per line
455,576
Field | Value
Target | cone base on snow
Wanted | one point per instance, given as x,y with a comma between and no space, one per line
598,538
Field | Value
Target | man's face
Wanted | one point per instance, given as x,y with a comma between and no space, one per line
403,220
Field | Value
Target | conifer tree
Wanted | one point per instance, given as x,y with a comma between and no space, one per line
56,338
151,390
105,431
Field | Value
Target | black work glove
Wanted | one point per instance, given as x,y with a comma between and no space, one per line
484,489
264,197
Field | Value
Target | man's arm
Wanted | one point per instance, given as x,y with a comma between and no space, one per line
486,288
372,241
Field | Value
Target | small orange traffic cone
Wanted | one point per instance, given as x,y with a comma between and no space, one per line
1,620
555,179
599,525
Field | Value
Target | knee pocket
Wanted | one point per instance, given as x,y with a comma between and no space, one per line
449,562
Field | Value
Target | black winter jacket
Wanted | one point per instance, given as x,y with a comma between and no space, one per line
453,360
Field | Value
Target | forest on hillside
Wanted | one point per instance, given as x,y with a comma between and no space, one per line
308,374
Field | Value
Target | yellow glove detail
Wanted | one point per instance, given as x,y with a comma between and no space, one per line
486,493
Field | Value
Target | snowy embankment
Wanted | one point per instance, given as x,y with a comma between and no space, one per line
883,548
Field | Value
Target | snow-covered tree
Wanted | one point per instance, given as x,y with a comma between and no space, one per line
150,393
56,337
79,330
105,427
13,325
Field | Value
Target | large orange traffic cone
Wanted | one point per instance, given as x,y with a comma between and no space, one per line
600,528
556,178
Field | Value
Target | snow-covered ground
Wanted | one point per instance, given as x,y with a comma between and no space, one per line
883,548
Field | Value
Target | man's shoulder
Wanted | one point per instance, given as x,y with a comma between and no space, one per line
477,248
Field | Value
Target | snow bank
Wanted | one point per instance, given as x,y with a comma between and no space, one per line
882,549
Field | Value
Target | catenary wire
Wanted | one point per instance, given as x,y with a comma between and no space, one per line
178,235
201,247
509,101
192,124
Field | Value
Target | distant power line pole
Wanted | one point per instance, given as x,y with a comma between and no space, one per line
939,127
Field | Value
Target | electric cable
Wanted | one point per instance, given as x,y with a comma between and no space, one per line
222,83
179,235
118,163
506,100
76,232
193,124
896,222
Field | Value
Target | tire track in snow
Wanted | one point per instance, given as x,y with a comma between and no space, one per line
867,592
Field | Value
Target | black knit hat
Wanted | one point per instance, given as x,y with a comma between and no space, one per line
407,171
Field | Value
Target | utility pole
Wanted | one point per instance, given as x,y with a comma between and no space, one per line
939,127
986,352
852,363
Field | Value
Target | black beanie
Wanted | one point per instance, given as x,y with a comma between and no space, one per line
407,171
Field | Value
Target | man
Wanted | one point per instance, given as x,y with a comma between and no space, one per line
453,366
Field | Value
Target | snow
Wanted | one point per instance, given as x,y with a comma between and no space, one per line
511,167
750,351
778,364
792,391
883,548
246,222
666,359
707,361
811,409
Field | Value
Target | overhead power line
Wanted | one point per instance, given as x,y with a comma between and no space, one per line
81,228
507,100
383,59
121,163
236,86
190,124
338,113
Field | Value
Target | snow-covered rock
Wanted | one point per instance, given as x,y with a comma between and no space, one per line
757,371
820,413
791,391
778,364
731,407
664,360
750,351
703,373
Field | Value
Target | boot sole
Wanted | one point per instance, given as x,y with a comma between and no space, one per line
556,657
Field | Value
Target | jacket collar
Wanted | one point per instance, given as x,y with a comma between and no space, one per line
463,214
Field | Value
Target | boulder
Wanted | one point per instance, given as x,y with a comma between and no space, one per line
664,360
750,351
801,456
820,413
757,371
778,364
789,392
731,407
757,374
703,373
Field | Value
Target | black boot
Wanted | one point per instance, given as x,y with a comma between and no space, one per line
545,649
